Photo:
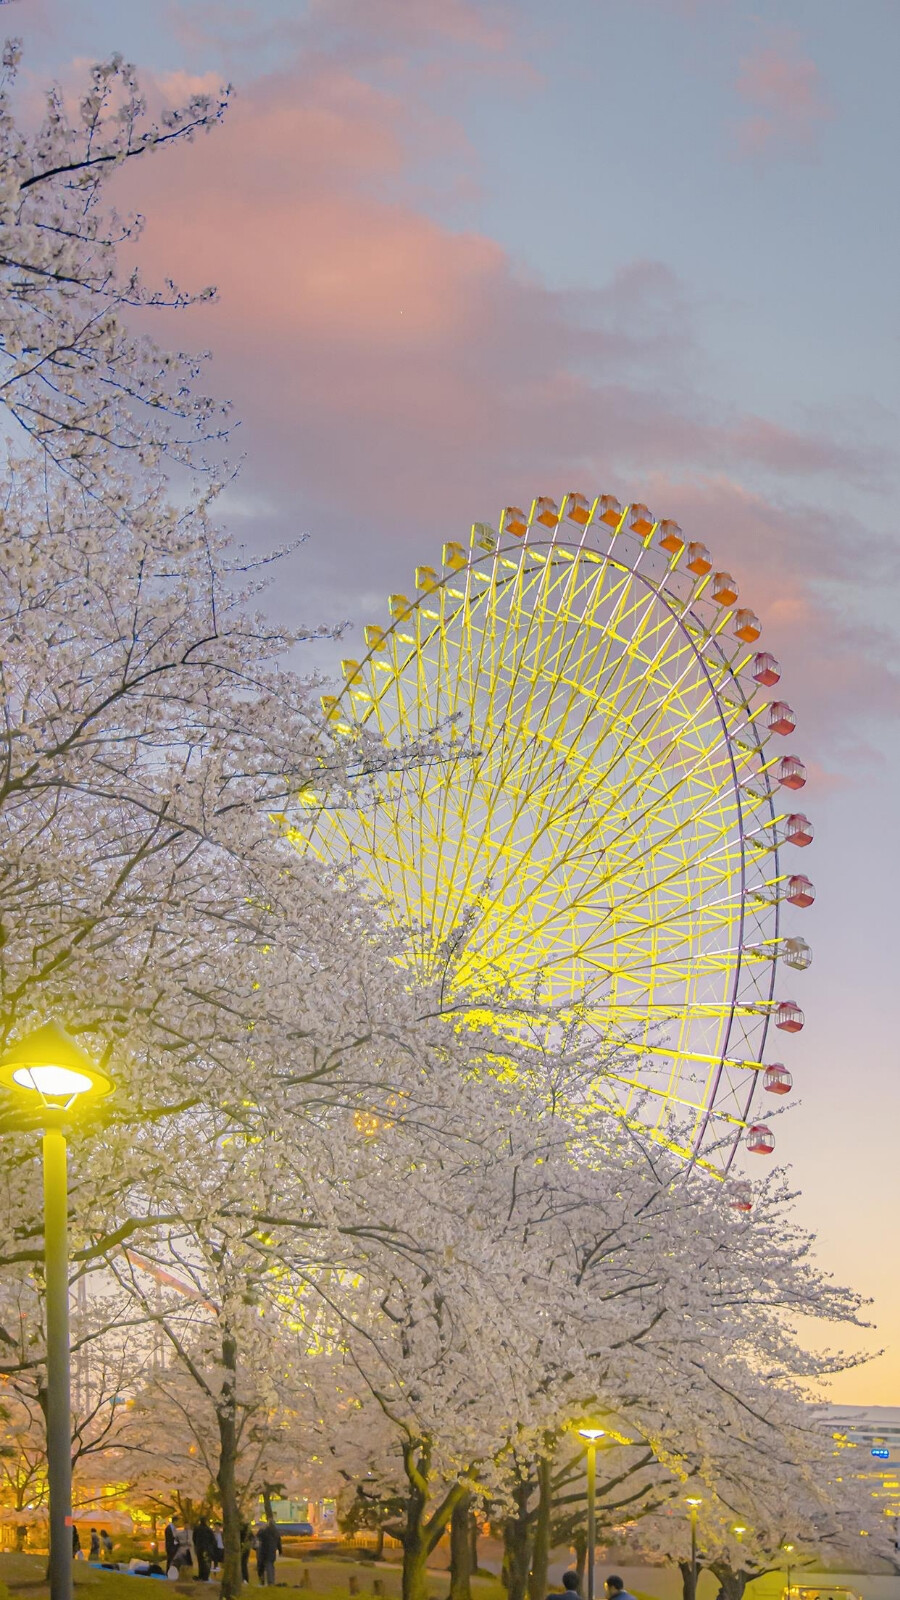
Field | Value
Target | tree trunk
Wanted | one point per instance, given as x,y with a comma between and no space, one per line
226,1416
579,1545
266,1493
733,1583
415,1550
540,1555
419,1537
415,1574
379,1543
473,1544
687,1584
460,1549
517,1546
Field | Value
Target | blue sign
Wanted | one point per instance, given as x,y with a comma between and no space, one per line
883,1455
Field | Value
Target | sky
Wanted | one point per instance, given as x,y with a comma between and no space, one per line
470,252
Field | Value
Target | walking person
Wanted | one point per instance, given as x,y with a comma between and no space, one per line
204,1549
105,1545
219,1557
77,1552
268,1546
94,1549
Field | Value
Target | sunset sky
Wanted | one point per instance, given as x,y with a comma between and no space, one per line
470,252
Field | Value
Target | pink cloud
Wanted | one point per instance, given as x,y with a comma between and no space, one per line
435,37
786,106
415,22
353,325
398,379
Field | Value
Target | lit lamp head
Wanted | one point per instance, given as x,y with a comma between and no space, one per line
739,1530
592,1434
693,1501
50,1064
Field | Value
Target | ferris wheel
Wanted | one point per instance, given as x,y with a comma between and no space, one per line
599,820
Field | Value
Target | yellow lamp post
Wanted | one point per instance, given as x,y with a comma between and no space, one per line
591,1435
788,1550
695,1503
51,1067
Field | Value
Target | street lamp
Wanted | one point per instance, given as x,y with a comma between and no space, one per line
788,1550
48,1065
591,1435
695,1503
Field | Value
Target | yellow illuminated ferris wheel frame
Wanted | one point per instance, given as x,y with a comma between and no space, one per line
597,823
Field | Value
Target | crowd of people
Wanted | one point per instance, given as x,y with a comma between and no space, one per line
205,1546
100,1548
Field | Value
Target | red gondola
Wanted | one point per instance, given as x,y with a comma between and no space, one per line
788,1016
760,1139
777,1079
780,718
765,669
798,829
790,772
800,892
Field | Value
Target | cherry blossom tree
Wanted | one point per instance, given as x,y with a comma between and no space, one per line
74,374
155,749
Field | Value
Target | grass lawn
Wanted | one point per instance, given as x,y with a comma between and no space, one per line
23,1575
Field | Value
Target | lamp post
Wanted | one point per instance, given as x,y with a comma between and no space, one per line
695,1503
590,1436
788,1550
49,1066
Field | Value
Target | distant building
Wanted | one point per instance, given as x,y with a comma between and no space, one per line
870,1435
875,1426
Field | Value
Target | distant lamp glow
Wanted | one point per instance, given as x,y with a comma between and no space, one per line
693,1500
50,1063
738,1530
